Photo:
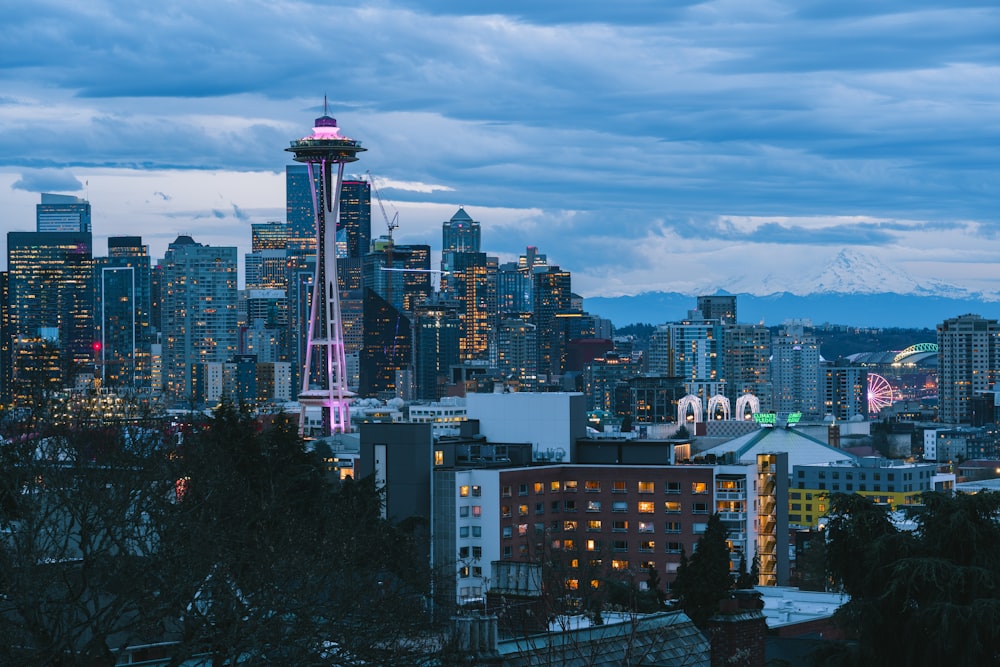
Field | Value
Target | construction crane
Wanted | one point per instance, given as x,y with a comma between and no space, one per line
390,225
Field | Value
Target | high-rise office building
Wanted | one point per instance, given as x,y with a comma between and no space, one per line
746,363
122,314
198,311
721,307
795,372
461,233
437,329
517,354
551,295
968,363
466,281
354,227
62,213
269,236
387,350
51,297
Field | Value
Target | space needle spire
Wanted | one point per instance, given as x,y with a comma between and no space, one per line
324,373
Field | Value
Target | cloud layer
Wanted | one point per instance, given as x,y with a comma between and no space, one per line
643,145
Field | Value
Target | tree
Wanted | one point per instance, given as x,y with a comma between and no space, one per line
929,597
704,578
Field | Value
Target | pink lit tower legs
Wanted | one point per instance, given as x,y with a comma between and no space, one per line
324,379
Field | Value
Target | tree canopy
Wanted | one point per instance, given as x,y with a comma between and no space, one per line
704,578
926,597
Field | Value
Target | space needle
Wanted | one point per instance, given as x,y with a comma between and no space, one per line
324,373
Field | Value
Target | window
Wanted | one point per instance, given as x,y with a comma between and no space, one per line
619,506
508,531
477,552
539,529
569,525
593,545
593,505
463,531
507,553
569,486
699,528
647,546
619,564
463,571
522,529
672,506
673,487
618,487
647,487
505,491
569,505
539,487
796,507
569,545
522,489
572,584
522,510
477,491
477,571
673,526
647,507
647,565
554,486
463,511
647,527
674,547
700,508
505,511
619,545
463,491
477,531
438,457
592,485
594,525
619,526
463,552
477,511
555,506
699,487
539,508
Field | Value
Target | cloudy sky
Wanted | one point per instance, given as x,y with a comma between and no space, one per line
643,145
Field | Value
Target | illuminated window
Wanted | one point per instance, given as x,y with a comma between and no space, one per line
438,457
570,486
647,487
672,506
539,487
522,529
699,487
463,571
619,564
647,546
554,486
595,583
647,527
572,584
594,524
592,485
569,545
463,491
505,511
647,507
569,525
522,510
593,505
593,545
477,491
618,487
477,511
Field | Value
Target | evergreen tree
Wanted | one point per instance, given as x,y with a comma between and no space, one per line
704,578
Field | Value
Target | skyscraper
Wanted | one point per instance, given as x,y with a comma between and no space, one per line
467,282
387,350
324,383
51,309
968,363
795,372
198,311
517,354
844,388
551,294
460,234
721,307
62,213
746,363
122,314
436,333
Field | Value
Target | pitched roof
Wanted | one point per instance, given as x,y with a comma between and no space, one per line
801,448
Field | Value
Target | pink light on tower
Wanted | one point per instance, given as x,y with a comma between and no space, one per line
324,379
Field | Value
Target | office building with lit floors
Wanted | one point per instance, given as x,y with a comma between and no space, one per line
437,330
795,372
198,312
517,355
122,315
51,308
746,363
968,364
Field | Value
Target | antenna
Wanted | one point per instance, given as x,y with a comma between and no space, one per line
324,105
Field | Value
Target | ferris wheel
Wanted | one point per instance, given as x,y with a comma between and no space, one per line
879,393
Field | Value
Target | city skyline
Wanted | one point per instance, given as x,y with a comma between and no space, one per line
715,136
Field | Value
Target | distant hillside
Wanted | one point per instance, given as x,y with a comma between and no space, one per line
859,310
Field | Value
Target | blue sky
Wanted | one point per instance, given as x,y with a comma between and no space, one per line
647,145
